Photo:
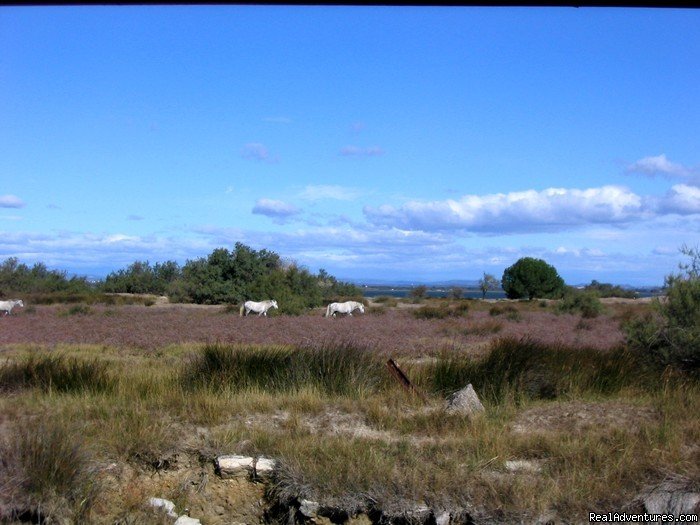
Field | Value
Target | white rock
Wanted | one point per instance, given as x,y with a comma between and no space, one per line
523,465
465,401
164,504
309,508
186,520
234,466
443,518
264,467
672,497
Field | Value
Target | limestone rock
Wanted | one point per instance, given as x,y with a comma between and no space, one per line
186,520
673,496
230,467
264,467
465,402
166,505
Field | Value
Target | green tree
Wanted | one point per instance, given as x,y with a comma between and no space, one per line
419,292
17,277
671,335
532,278
486,283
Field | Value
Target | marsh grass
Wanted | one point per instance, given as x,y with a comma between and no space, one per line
535,370
306,405
56,372
333,368
47,471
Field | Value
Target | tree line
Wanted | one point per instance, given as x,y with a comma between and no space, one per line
223,277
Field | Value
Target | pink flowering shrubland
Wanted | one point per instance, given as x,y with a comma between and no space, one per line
395,331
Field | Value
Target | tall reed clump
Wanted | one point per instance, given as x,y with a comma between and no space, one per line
46,474
522,367
56,372
331,368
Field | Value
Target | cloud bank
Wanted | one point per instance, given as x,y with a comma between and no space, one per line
552,209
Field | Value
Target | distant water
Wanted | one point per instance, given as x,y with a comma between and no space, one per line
468,294
402,292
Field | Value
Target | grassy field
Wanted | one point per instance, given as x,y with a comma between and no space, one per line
104,406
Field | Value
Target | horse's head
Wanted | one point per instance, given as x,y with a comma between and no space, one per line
273,303
362,308
20,303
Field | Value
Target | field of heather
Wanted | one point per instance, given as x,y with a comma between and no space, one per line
384,330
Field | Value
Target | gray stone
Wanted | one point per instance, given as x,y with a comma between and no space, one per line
672,496
465,402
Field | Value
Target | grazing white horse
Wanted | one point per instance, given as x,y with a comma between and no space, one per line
9,305
344,308
260,308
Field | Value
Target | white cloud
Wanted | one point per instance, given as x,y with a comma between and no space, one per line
91,252
658,165
11,201
552,209
681,199
120,238
257,151
323,192
356,151
274,208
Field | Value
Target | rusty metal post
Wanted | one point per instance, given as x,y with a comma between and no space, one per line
403,379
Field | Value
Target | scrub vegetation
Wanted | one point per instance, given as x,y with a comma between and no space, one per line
103,410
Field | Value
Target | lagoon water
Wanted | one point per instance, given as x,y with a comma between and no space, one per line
371,292
439,292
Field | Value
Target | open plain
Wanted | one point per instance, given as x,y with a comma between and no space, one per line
123,403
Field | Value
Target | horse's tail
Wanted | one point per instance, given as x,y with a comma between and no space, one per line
240,312
328,310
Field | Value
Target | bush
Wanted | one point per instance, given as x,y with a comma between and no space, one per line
441,311
79,309
586,303
510,311
670,336
386,300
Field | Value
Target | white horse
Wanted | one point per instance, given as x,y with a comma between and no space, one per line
344,308
260,308
9,305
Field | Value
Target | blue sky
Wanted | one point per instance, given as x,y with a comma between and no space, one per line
409,143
